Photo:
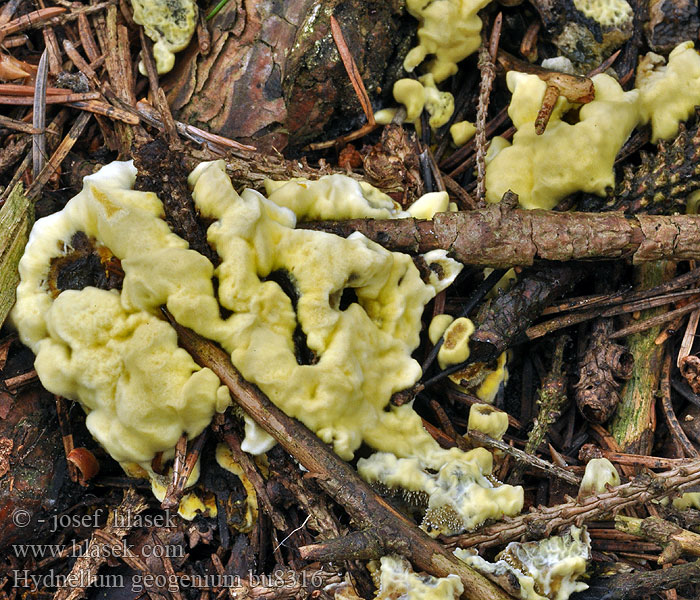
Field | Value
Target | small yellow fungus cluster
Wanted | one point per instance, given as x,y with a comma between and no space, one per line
488,420
687,500
170,24
449,31
542,570
461,132
225,460
577,153
599,474
669,92
460,491
420,94
340,197
394,579
332,197
566,158
479,378
455,344
609,13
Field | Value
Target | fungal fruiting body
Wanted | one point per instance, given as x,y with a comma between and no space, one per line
544,570
395,579
488,420
460,490
113,352
170,24
669,91
448,31
567,157
600,474
577,150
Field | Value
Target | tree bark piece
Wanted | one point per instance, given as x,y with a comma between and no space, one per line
280,58
500,236
336,476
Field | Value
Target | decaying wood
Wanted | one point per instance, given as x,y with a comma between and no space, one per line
104,543
338,478
500,236
160,170
628,586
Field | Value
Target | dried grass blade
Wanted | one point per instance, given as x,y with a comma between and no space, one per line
39,118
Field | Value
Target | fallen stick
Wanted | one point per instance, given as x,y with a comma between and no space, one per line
502,236
545,520
389,528
627,586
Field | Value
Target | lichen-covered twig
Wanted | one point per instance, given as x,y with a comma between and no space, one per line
335,476
545,520
634,423
487,55
551,401
501,236
674,539
16,219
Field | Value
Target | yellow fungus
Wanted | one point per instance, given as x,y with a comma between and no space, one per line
170,24
668,92
488,420
455,344
462,132
599,474
448,31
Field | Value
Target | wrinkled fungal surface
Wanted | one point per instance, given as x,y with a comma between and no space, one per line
280,287
542,570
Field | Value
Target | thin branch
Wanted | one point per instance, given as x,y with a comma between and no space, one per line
546,520
336,476
525,458
501,236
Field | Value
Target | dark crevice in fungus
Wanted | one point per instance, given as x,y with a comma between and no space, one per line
302,352
84,264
